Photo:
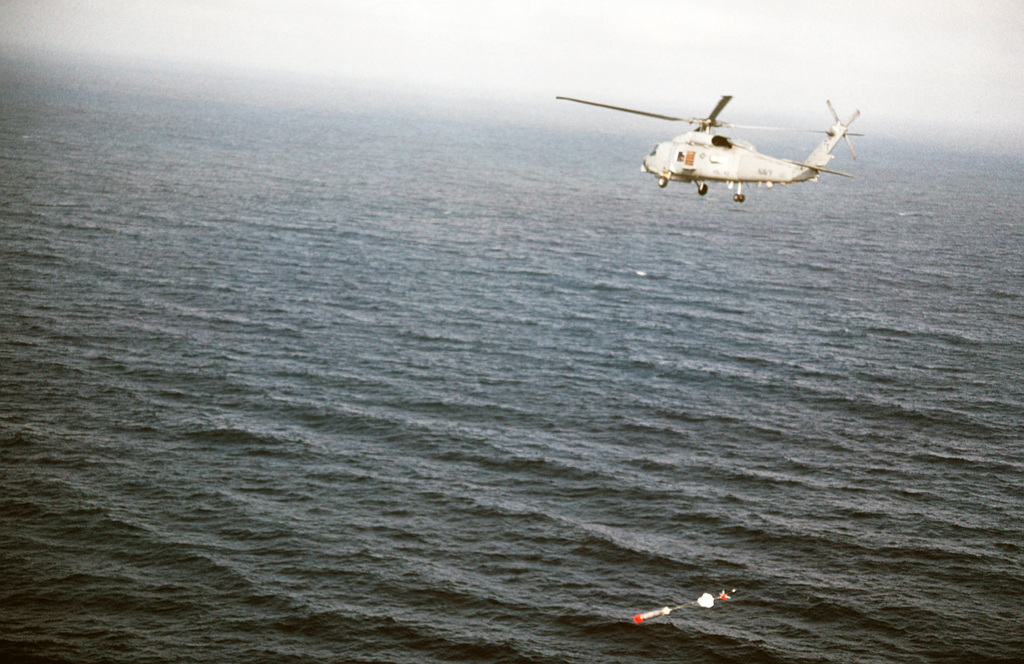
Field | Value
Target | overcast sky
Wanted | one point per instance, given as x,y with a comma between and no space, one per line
944,63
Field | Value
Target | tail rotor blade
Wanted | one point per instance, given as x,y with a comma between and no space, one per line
832,108
850,145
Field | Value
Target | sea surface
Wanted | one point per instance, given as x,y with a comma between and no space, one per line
312,382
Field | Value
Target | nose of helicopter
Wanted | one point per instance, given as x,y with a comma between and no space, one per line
648,165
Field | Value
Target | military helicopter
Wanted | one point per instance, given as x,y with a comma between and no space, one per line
701,157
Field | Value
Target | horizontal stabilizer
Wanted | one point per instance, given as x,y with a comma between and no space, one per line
819,168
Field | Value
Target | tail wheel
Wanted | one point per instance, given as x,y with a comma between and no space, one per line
739,198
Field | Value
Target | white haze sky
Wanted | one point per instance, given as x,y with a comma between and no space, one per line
941,65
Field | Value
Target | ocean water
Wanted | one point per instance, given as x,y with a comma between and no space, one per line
315,383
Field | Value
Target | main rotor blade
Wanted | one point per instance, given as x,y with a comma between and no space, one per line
849,144
627,110
805,131
792,129
718,109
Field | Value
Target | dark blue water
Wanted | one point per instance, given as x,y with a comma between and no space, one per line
316,383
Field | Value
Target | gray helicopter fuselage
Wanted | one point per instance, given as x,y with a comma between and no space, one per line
699,156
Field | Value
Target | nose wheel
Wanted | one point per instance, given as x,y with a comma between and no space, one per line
662,181
739,197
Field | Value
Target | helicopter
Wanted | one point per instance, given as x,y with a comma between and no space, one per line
701,157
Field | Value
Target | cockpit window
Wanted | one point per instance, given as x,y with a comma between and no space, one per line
654,151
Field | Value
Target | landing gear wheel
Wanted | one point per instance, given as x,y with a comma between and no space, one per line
662,181
702,188
739,198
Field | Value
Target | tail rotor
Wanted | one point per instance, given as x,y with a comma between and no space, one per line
844,125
